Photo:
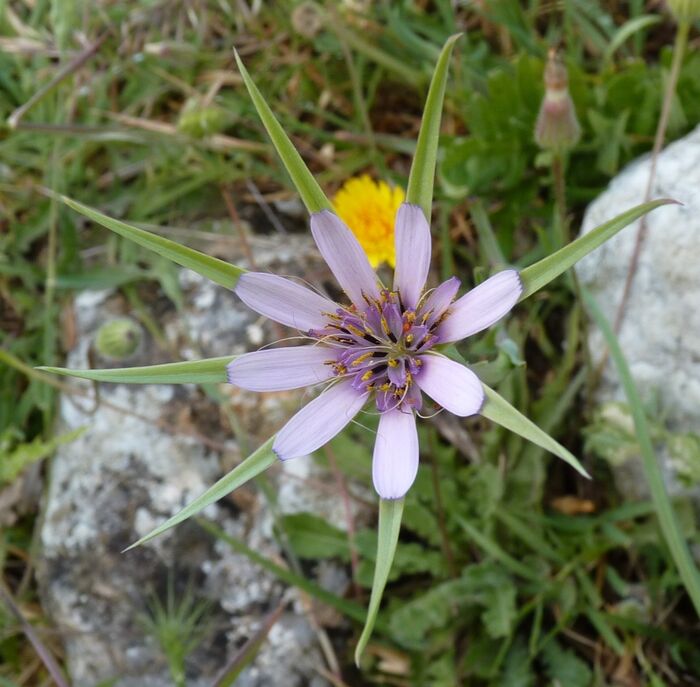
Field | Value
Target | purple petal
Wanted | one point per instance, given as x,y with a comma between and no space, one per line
283,300
438,301
451,385
318,421
481,307
395,460
345,257
279,369
412,238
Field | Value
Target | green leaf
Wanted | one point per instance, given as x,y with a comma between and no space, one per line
542,272
564,667
497,409
218,271
313,537
390,511
311,193
626,31
209,371
422,176
664,510
500,613
252,466
13,461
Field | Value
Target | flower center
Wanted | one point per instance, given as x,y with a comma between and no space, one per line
380,347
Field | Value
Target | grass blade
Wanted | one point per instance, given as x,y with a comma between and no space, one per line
253,465
218,271
497,409
662,504
390,512
311,193
347,608
209,371
422,176
245,655
542,272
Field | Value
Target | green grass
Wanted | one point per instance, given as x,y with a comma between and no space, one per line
491,585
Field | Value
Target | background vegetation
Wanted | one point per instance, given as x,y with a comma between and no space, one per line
512,571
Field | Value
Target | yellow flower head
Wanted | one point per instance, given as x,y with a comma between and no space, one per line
369,208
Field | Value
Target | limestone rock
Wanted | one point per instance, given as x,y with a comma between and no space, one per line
147,451
660,335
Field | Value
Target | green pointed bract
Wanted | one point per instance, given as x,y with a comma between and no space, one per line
390,512
209,371
541,273
311,193
218,271
422,177
497,409
252,466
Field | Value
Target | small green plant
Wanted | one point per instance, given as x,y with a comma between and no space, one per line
178,625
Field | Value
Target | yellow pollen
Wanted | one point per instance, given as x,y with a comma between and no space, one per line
354,330
362,358
393,363
409,338
385,387
369,208
385,325
367,375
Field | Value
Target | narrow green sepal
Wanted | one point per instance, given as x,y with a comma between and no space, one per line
218,271
542,272
422,176
252,466
498,410
390,512
311,193
209,371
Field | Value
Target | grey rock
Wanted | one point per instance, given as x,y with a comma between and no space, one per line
147,451
660,334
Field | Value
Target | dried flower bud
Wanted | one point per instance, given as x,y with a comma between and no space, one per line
118,339
307,19
685,10
557,127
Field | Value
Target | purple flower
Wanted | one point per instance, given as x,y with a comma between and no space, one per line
381,346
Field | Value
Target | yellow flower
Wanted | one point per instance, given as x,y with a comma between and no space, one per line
369,208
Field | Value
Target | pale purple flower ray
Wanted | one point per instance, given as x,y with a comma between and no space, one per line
345,257
413,249
395,460
283,300
450,384
439,299
319,421
481,307
280,369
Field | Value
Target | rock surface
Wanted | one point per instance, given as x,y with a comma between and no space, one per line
146,452
660,335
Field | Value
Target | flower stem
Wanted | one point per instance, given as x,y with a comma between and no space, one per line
561,233
679,48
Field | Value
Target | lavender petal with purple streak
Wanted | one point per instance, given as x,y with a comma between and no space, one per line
482,307
345,257
318,421
395,460
455,387
413,249
280,369
283,300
